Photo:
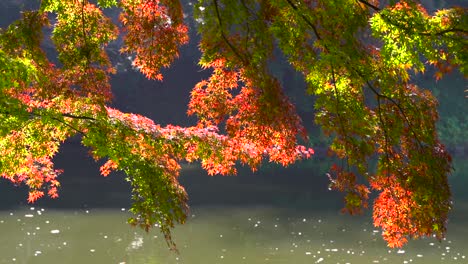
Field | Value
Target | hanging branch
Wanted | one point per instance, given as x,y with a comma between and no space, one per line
220,23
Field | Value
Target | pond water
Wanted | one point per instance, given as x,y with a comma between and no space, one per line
216,234
281,216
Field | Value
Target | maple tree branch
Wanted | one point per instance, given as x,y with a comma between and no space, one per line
223,35
440,33
400,109
410,125
394,23
32,114
246,7
340,118
384,128
305,19
77,117
85,40
247,24
68,125
408,30
369,5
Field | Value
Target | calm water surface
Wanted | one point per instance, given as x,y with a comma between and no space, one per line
215,235
295,220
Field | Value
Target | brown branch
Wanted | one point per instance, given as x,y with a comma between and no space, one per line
77,117
369,5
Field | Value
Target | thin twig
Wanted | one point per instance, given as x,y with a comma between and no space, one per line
223,35
78,117
68,125
305,19
32,115
384,128
340,118
399,109
85,47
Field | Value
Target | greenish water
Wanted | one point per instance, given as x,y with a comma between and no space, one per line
216,235
283,216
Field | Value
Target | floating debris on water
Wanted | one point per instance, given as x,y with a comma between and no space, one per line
279,237
137,242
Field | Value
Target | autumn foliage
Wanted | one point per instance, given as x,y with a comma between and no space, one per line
357,57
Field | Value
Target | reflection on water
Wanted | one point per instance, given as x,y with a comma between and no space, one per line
213,235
